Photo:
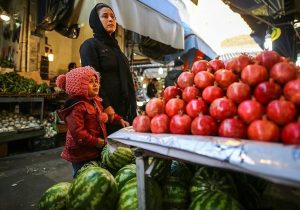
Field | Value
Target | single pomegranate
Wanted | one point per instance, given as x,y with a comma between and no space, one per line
222,108
200,65
174,106
204,79
171,92
253,74
291,91
267,91
211,93
160,124
141,123
225,77
229,65
238,92
281,111
185,79
204,125
216,64
233,128
263,130
283,72
250,110
190,93
291,133
268,58
196,106
180,124
241,62
154,106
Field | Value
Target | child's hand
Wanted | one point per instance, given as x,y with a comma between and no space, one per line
124,123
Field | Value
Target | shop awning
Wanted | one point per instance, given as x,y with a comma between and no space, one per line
192,41
155,19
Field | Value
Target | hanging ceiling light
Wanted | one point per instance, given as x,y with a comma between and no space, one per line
3,15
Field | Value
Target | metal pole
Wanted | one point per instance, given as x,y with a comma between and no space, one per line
140,173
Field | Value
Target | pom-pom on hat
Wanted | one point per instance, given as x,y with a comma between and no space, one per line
75,82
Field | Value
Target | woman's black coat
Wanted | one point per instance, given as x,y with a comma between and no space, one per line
104,55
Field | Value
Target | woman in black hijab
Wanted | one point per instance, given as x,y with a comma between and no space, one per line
104,54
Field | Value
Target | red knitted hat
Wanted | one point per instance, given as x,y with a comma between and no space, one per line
75,82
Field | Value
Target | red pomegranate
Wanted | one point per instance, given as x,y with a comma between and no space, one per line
291,91
216,64
250,110
171,92
190,93
154,106
222,108
238,92
160,124
253,74
200,65
204,125
174,106
283,72
233,128
281,111
180,124
225,77
185,79
263,130
291,133
196,106
267,91
141,123
268,58
211,93
204,79
241,62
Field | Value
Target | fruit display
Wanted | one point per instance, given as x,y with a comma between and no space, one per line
171,184
255,98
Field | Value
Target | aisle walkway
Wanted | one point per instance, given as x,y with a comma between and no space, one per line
24,177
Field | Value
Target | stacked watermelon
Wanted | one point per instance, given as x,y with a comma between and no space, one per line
54,198
94,188
255,98
115,160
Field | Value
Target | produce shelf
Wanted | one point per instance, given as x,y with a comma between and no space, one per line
9,99
272,161
14,136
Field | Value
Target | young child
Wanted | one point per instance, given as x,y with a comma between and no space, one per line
84,116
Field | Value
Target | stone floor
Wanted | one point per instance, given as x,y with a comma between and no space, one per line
24,177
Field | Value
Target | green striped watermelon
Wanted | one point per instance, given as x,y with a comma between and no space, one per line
175,194
88,165
214,200
128,199
55,197
115,160
211,179
125,174
181,170
95,188
161,168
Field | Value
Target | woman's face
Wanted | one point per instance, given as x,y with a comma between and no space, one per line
93,87
107,19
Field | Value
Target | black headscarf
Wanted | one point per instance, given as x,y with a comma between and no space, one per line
102,35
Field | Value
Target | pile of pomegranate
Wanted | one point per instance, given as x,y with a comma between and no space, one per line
255,98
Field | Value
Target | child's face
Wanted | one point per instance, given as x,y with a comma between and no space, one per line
93,87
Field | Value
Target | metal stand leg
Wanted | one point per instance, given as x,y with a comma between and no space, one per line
140,173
